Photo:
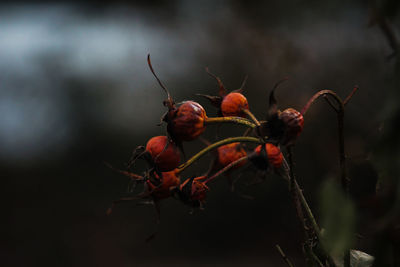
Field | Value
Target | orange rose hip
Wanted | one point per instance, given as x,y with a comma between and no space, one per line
233,105
230,153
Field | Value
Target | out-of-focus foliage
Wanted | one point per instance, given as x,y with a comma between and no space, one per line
337,218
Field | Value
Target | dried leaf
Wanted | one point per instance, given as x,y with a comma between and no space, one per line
360,259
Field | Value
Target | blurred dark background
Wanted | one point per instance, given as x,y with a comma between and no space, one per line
75,90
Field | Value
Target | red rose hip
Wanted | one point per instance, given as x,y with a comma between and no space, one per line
164,152
274,154
187,122
162,189
193,191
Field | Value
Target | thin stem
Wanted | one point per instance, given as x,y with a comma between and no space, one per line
243,83
235,120
133,176
226,168
311,217
340,118
251,116
294,194
355,88
158,80
328,100
285,258
315,258
342,156
296,201
215,145
321,93
307,209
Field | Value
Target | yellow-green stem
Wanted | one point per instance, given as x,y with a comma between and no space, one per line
251,116
215,145
235,120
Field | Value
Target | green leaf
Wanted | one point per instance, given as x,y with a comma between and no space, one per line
337,218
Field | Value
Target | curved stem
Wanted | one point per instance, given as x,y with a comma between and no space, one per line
340,119
342,156
251,116
236,120
322,93
215,145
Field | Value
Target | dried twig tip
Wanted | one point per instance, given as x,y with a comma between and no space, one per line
158,80
355,88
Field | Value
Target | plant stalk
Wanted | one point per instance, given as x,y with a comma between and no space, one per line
227,168
235,120
251,116
204,151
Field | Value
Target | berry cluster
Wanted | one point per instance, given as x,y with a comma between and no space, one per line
186,121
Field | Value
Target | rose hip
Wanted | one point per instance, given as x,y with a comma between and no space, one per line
230,153
294,122
233,105
228,104
192,191
274,154
164,152
187,122
160,188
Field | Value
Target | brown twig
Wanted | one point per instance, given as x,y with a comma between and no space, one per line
295,197
285,258
227,168
328,100
347,99
293,192
308,212
340,118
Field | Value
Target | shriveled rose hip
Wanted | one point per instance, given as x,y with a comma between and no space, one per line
294,122
187,121
161,188
164,152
